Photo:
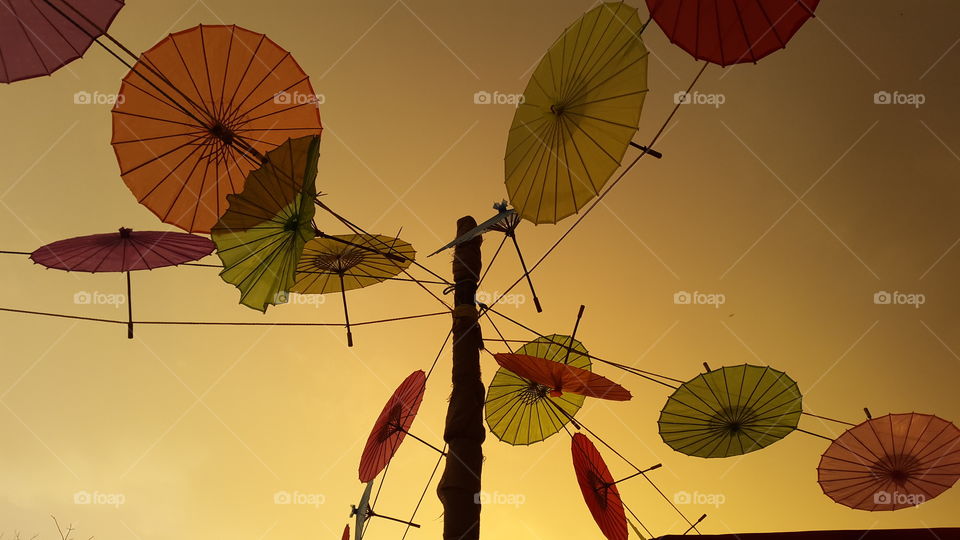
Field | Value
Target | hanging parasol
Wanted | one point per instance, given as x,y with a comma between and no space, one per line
579,113
125,251
196,114
892,462
727,32
38,37
392,425
599,489
520,411
261,236
731,411
342,263
346,532
560,378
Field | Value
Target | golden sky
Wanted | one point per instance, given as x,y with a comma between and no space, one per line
798,199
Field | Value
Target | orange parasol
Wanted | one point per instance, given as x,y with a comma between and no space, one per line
560,378
196,114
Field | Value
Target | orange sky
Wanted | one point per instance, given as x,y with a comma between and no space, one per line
798,199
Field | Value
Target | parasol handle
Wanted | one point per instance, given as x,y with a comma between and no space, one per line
694,526
649,151
371,513
129,305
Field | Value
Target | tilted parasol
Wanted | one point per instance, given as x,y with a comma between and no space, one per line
580,111
598,488
38,37
392,425
261,236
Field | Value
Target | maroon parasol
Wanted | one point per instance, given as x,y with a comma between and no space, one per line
729,32
38,37
125,251
392,425
129,250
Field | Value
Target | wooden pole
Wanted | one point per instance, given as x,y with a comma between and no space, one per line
459,487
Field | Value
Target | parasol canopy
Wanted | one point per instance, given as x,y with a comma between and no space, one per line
38,37
731,411
520,411
599,489
341,263
123,251
196,114
560,378
392,425
351,261
727,32
892,462
261,236
580,111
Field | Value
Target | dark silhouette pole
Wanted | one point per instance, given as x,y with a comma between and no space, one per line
459,486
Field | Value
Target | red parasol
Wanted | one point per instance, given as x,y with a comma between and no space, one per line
346,533
599,489
892,462
562,378
392,425
125,251
129,250
38,37
198,111
729,32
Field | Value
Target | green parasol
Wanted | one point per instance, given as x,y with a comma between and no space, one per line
580,111
731,411
261,236
520,411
